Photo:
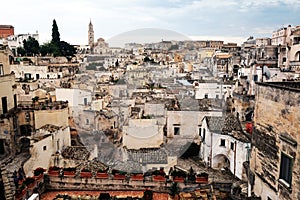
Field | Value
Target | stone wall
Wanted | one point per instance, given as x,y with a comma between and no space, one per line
276,131
54,117
6,91
67,183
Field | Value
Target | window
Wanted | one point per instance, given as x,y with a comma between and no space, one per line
222,143
15,101
232,145
206,96
85,101
283,60
176,130
27,76
286,166
44,148
203,134
87,121
1,70
4,105
2,150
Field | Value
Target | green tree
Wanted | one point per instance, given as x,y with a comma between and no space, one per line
66,49
49,49
31,46
57,47
55,33
21,51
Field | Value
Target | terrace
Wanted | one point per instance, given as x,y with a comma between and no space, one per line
35,104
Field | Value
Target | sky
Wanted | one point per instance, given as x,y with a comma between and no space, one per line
228,20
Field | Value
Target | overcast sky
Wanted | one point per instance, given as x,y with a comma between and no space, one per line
198,19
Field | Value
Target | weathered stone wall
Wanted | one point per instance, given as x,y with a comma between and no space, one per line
6,83
276,120
54,117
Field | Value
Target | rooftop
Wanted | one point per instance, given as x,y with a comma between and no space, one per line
50,128
287,85
228,125
6,26
76,153
148,156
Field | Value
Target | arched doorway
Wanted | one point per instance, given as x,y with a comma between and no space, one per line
221,161
24,144
297,56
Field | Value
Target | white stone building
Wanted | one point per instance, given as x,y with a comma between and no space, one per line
224,145
34,72
212,89
15,41
47,140
75,97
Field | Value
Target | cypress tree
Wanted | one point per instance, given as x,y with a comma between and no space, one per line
55,33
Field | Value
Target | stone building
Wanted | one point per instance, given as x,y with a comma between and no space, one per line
222,63
47,141
5,59
288,41
15,41
212,89
8,102
274,160
224,144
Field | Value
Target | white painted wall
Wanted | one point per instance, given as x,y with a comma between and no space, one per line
74,96
42,150
210,147
213,90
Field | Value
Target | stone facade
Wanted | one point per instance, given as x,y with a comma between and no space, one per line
7,93
142,133
185,124
274,159
224,145
54,139
4,60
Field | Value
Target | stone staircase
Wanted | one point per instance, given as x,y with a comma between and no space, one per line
8,166
7,177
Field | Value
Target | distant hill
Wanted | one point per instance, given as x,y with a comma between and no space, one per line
145,35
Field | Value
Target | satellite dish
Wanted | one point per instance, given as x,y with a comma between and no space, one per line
266,72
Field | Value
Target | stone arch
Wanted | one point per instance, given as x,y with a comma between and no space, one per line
221,161
24,143
297,56
26,129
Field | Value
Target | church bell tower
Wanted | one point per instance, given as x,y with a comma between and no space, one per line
91,36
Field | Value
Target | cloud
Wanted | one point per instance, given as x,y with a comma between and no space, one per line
238,18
